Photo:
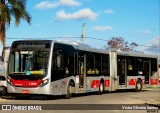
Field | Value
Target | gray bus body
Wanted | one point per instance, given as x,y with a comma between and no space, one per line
68,67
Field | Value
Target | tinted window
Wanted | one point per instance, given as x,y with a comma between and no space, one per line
105,64
2,78
62,61
90,63
154,64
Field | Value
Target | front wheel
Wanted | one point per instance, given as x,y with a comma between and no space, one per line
69,91
139,85
3,90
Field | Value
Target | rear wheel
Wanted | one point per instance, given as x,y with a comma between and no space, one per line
101,88
139,85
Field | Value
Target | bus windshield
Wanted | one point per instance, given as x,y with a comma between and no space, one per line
28,64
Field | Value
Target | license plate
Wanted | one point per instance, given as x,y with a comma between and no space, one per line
25,91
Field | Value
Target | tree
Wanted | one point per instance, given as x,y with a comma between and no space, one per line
8,9
120,43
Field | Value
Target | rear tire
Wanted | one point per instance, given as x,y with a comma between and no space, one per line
101,88
139,85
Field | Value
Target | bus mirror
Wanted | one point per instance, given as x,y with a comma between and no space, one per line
5,52
2,57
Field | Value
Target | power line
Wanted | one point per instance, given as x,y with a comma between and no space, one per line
76,37
128,43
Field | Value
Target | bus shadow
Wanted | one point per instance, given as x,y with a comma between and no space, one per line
30,97
42,97
127,91
50,97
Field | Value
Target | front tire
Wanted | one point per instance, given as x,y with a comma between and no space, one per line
69,91
139,85
3,90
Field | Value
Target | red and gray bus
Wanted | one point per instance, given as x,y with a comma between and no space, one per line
65,68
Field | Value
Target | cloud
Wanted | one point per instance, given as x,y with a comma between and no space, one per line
47,5
81,14
109,11
70,2
102,28
153,46
52,4
146,32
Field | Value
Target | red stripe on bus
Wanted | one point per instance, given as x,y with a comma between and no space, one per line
132,82
154,81
95,83
26,83
107,83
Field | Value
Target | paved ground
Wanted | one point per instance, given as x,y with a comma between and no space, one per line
118,97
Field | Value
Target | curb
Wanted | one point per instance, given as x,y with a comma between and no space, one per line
151,88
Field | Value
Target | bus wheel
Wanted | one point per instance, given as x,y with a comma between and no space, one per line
101,88
3,90
69,91
139,85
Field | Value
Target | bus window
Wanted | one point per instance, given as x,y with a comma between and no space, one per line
69,62
90,64
16,62
105,65
97,63
60,63
131,64
154,66
57,65
139,65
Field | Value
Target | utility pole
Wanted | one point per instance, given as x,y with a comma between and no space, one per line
83,32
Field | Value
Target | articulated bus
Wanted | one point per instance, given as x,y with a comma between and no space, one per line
65,68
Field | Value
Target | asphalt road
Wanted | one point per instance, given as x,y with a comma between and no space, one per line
110,98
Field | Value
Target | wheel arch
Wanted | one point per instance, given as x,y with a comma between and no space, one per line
139,79
70,82
102,80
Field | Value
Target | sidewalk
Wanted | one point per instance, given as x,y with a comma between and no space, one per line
152,87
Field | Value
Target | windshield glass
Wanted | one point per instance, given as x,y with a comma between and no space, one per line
26,64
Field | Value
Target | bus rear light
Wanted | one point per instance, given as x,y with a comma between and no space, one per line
44,82
154,81
132,82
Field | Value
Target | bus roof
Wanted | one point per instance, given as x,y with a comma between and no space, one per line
22,41
83,47
86,47
136,54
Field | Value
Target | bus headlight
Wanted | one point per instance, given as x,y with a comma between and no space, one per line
44,82
10,82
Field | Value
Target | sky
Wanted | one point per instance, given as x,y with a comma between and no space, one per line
135,20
